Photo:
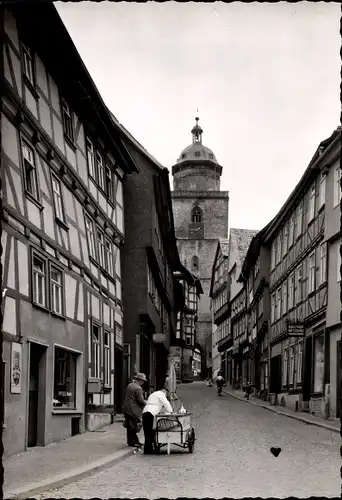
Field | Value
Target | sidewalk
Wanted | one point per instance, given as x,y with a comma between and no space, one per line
43,468
333,424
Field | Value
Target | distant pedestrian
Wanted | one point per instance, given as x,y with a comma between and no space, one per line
133,407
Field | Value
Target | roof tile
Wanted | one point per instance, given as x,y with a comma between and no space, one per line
243,239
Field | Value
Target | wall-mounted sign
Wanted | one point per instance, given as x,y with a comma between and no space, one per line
295,329
16,368
159,338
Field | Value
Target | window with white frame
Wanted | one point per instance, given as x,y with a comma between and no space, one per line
291,292
39,281
285,238
68,125
250,288
284,306
102,248
292,363
100,170
323,263
64,389
109,182
96,354
28,64
278,303
311,208
300,218
285,366
261,306
298,285
118,335
279,248
291,231
312,271
30,172
56,290
273,254
57,198
106,358
90,237
322,189
91,158
337,186
299,363
109,257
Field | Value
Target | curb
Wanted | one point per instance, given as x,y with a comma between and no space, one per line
63,479
295,417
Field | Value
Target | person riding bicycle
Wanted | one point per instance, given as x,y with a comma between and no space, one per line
219,381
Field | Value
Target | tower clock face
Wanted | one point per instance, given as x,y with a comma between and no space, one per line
196,230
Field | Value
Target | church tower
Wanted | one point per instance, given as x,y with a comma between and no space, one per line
200,213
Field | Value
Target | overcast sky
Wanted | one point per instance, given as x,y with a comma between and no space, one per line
265,78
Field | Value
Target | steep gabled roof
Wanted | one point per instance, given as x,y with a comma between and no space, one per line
37,21
127,135
330,146
243,239
222,245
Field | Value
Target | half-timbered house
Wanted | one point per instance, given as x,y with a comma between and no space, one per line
62,165
219,294
150,257
255,278
188,290
299,337
224,290
332,403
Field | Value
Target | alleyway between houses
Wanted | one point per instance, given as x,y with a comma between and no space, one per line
231,458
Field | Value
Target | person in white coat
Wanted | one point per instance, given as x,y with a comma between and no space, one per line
156,402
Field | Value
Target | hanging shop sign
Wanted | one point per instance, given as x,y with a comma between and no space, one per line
159,338
236,349
295,329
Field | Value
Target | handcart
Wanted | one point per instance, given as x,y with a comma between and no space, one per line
175,429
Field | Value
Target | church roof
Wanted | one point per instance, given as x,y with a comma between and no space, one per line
243,239
196,151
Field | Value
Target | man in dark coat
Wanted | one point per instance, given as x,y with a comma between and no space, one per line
133,407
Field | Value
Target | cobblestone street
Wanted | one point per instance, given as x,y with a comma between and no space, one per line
231,458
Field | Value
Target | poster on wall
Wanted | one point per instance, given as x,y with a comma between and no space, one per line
16,368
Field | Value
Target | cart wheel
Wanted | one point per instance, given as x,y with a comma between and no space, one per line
191,441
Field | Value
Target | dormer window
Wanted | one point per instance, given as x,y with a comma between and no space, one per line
197,153
211,156
183,155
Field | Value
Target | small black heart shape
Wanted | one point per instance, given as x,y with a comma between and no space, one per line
275,451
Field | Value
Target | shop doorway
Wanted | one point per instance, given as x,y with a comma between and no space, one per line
307,379
338,380
275,378
118,378
36,391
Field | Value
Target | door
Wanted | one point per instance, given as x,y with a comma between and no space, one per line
275,378
338,380
118,378
36,352
307,369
